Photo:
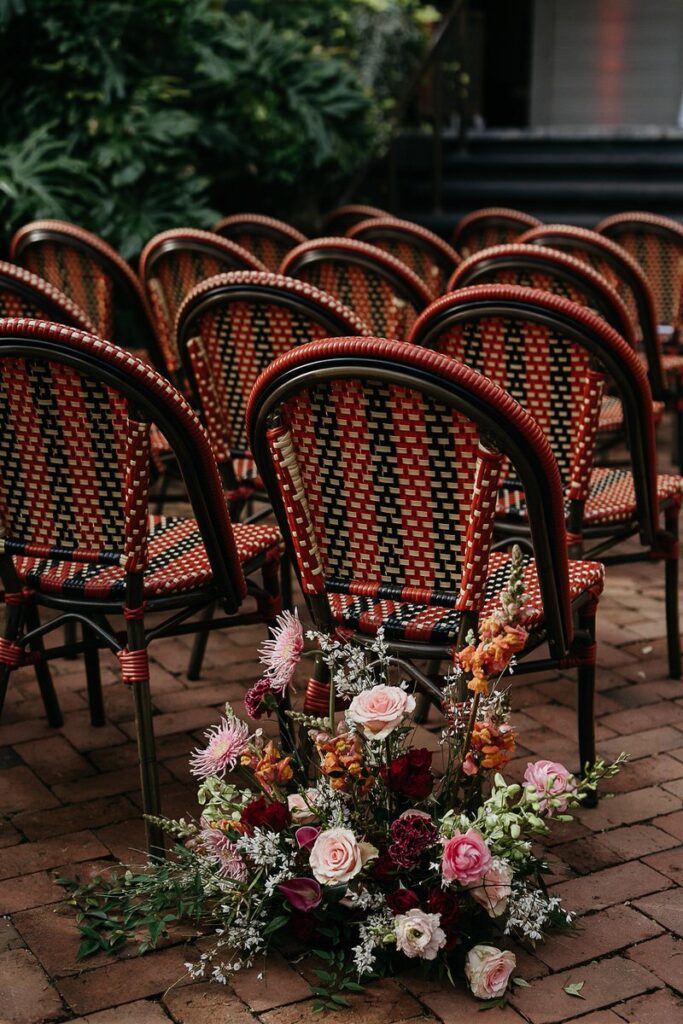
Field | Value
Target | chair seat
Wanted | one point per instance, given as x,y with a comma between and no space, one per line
178,563
403,620
612,497
612,414
672,365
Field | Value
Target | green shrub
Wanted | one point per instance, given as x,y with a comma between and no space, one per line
130,116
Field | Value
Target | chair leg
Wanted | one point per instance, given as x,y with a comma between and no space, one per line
286,571
70,639
43,674
94,679
671,574
14,615
423,703
586,702
194,667
678,439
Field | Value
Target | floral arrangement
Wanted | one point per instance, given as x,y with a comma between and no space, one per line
351,839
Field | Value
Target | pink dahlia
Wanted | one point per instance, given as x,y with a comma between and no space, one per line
223,853
282,652
226,742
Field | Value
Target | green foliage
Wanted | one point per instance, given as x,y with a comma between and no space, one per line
132,117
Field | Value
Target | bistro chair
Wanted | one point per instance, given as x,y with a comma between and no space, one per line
656,244
94,276
381,290
665,369
427,255
77,535
492,225
25,294
560,273
340,220
265,237
171,264
554,356
382,460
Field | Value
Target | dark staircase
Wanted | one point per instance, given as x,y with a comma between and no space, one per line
567,178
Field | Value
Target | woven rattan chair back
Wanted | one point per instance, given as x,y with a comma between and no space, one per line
656,244
172,263
74,454
553,356
383,461
381,290
265,237
548,270
232,326
622,272
94,276
340,220
427,255
23,294
492,225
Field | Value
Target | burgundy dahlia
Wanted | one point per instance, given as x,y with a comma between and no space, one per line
254,699
411,835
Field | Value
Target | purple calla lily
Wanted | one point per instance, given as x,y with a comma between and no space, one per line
306,836
303,893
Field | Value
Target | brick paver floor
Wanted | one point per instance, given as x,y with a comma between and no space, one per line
69,803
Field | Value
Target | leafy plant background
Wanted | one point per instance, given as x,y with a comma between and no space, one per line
132,116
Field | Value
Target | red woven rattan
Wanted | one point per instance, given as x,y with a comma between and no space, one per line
340,220
230,327
553,368
656,243
380,289
386,483
172,263
92,273
267,238
492,225
23,294
427,255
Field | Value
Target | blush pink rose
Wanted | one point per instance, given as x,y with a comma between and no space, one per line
337,856
488,971
300,809
466,858
550,778
493,892
418,934
377,712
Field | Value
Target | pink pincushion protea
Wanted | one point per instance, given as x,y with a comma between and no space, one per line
282,652
226,742
223,853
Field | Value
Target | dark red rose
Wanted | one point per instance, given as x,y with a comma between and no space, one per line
304,927
446,904
410,774
272,817
382,867
401,901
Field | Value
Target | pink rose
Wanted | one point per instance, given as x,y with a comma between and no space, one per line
377,712
418,934
493,892
550,778
466,858
336,856
300,807
488,971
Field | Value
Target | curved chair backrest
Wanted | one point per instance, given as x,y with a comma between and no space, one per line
382,461
380,289
172,263
93,274
656,244
74,454
427,255
265,237
492,225
340,220
550,270
553,356
619,268
230,327
23,294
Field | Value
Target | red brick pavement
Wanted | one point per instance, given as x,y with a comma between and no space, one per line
69,803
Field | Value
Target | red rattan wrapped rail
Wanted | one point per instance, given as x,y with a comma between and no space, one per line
340,220
491,225
23,294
